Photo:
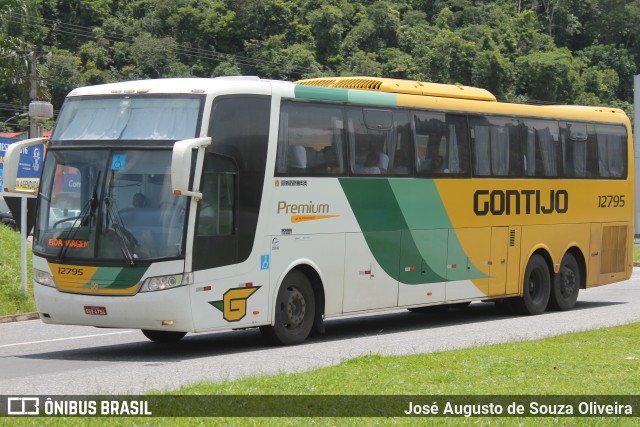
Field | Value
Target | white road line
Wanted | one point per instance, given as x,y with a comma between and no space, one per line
64,339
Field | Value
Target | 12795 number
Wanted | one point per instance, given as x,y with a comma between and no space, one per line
611,201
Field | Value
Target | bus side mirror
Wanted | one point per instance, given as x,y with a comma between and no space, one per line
11,165
181,166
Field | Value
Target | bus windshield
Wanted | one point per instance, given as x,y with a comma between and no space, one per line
128,118
114,205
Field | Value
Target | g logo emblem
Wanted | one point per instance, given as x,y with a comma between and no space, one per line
234,303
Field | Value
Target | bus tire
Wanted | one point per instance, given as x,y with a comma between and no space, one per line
536,287
163,336
294,312
566,284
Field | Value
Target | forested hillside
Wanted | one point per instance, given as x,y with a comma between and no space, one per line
549,51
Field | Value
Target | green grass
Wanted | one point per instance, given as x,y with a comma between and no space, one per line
588,363
596,362
636,253
12,301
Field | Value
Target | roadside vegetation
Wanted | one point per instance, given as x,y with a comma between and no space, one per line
602,362
12,301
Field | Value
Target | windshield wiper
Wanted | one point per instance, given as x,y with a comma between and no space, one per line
124,236
88,208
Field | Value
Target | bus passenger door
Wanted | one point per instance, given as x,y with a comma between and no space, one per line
367,285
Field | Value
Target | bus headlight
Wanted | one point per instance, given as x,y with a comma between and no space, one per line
43,278
160,283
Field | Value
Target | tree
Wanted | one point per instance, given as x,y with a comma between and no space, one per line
616,59
14,62
155,57
549,76
62,71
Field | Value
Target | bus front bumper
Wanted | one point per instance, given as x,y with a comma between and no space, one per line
167,310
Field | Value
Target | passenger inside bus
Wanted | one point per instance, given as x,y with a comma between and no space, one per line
383,162
331,163
401,163
370,166
297,159
436,164
139,201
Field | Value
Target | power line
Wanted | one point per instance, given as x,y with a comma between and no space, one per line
13,106
75,30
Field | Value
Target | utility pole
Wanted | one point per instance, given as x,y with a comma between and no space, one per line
33,93
37,111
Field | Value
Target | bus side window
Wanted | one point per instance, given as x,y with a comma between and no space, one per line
612,151
579,153
400,158
371,140
442,143
310,140
496,146
542,148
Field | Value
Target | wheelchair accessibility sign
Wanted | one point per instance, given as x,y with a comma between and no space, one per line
118,162
264,262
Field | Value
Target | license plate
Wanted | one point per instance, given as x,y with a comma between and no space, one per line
94,310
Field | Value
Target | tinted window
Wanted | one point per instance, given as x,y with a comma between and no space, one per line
310,139
542,148
442,144
579,150
370,138
400,156
216,243
239,129
379,141
496,146
612,151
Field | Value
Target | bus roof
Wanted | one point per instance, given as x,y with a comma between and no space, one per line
408,93
175,85
410,87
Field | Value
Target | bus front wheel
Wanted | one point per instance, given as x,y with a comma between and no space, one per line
295,310
163,336
566,284
536,287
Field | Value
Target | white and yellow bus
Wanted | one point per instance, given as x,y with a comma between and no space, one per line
195,205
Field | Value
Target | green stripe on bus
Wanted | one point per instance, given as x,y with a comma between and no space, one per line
323,93
422,209
385,230
406,217
117,277
346,95
377,98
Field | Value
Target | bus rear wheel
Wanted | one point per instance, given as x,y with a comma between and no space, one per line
566,284
163,336
536,287
295,311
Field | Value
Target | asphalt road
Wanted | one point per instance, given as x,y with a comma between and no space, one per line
50,359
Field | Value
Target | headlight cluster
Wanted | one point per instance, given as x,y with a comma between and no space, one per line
43,278
160,283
